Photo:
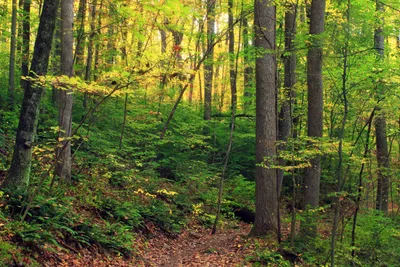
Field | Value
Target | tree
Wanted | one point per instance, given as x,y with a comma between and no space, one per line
289,61
19,172
63,169
81,38
13,46
382,154
208,64
93,32
26,32
248,80
266,217
315,102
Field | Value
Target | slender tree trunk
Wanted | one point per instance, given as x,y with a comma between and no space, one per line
124,122
209,64
56,55
285,119
248,79
93,32
266,217
340,180
81,39
98,45
315,106
63,169
382,154
13,47
231,46
19,172
26,32
360,183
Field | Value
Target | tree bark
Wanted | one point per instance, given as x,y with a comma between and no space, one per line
81,39
315,99
266,219
19,172
93,32
289,61
26,32
63,169
315,105
209,64
382,154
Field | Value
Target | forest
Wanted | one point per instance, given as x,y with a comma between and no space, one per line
200,133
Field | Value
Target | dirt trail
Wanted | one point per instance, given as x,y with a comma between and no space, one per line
226,248
195,248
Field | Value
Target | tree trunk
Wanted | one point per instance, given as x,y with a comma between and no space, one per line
315,105
248,79
19,172
13,47
81,39
266,219
56,55
382,154
26,32
63,169
98,45
93,32
285,120
231,46
209,64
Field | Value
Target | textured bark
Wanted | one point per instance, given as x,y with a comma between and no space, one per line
18,174
81,39
63,168
266,219
285,120
382,153
315,100
89,58
209,64
13,47
382,156
26,32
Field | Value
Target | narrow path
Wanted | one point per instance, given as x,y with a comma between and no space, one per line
226,248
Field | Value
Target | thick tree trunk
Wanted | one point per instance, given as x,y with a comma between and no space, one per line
266,219
18,174
63,169
13,47
315,106
382,154
209,64
315,100
285,120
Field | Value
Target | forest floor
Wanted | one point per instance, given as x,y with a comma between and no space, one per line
195,248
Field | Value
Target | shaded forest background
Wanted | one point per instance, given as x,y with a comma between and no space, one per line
147,121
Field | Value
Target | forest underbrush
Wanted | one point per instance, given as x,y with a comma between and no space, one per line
151,200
